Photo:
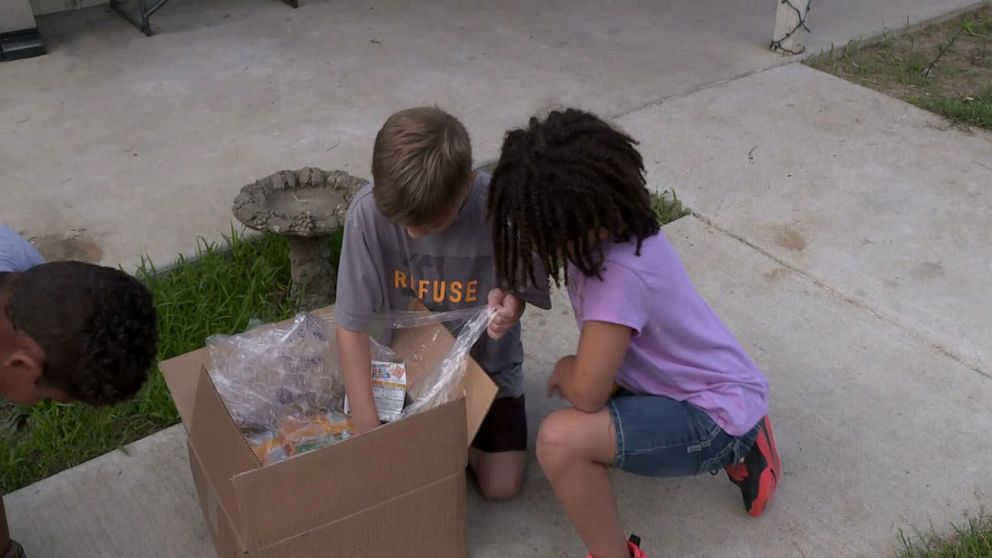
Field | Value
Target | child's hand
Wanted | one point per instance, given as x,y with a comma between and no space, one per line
508,308
563,368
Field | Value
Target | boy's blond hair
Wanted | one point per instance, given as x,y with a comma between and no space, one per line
421,162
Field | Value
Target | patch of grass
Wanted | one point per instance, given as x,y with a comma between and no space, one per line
218,291
945,68
972,540
667,206
975,111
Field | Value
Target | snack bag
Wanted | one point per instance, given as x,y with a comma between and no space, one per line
269,447
388,390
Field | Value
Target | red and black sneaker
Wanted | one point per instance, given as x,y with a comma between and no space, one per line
634,545
757,475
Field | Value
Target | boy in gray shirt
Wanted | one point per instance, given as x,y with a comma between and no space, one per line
420,232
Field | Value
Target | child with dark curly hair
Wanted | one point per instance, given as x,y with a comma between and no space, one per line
658,385
69,331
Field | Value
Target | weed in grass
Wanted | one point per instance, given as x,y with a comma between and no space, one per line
945,68
973,111
667,206
971,540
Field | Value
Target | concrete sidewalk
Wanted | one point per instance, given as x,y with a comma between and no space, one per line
843,235
870,196
140,144
868,419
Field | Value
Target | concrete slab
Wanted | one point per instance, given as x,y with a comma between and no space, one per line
869,195
869,422
137,502
117,145
138,145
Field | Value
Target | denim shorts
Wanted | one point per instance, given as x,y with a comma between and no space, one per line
661,437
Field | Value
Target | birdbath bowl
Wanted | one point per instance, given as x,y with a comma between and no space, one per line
306,206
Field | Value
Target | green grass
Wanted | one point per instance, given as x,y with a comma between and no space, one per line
971,540
945,68
667,207
976,111
219,291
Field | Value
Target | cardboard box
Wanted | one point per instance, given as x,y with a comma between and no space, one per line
396,491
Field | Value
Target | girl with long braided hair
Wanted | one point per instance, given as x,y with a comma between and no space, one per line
658,385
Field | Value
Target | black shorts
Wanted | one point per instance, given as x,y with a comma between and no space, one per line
504,428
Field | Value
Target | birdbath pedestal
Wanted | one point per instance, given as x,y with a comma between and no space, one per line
306,206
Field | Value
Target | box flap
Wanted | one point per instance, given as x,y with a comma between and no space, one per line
426,523
222,450
225,538
332,483
181,374
480,392
433,343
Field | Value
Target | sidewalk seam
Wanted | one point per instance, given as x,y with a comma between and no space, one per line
786,60
940,349
488,164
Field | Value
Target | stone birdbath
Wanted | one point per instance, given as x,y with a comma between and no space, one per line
306,206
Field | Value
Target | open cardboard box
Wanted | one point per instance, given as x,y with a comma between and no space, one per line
396,491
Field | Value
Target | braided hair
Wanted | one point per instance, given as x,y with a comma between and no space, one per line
558,185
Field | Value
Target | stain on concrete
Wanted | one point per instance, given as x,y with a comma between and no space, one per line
790,239
74,245
776,274
929,270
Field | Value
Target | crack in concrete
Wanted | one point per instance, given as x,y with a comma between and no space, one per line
858,303
702,87
489,164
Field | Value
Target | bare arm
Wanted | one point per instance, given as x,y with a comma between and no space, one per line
355,352
586,379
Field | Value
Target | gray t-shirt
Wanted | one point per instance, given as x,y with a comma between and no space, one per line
16,254
382,268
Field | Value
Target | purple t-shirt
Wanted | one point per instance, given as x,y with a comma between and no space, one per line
680,348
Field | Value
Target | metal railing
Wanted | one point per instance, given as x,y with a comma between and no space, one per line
138,12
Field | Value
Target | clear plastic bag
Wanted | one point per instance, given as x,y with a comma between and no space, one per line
283,387
442,383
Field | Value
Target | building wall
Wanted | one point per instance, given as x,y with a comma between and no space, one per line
42,7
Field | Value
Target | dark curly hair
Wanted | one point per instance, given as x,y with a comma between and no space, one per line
96,325
557,184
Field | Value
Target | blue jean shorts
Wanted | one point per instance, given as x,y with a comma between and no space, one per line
661,437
